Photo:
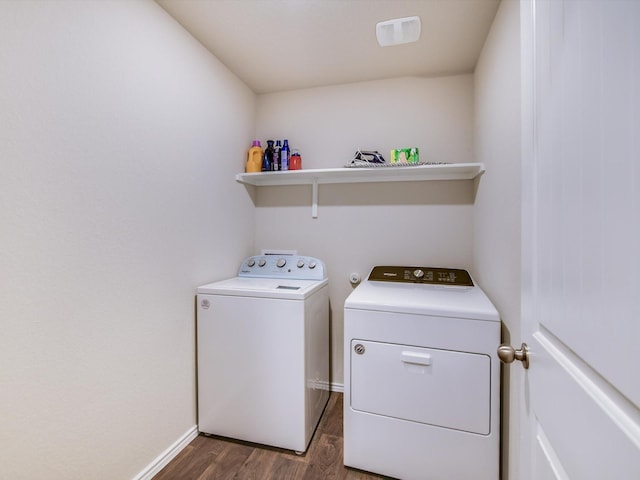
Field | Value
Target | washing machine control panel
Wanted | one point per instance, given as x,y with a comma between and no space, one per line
294,267
429,275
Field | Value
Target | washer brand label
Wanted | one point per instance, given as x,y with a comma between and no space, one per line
205,304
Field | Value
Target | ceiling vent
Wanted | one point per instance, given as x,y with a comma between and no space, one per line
398,31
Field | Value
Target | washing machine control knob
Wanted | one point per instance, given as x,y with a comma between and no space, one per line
300,263
262,262
281,262
251,262
418,273
312,264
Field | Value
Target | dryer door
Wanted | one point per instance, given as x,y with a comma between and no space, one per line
436,387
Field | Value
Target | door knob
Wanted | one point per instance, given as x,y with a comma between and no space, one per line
508,354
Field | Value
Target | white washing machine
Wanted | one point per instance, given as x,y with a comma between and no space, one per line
421,378
263,352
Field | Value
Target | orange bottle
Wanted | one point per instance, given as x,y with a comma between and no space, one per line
254,158
295,162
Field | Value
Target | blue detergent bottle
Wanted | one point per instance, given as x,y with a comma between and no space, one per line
267,160
284,156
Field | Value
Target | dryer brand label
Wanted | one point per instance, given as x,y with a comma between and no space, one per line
205,304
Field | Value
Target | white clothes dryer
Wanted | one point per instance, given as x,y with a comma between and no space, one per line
263,352
421,377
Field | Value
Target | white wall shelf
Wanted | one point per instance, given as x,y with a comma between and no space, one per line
449,171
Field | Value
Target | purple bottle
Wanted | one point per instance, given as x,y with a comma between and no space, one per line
276,155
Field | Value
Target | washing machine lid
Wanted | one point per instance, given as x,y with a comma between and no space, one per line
468,302
283,288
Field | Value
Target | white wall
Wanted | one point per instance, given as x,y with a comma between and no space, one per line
119,140
496,218
362,225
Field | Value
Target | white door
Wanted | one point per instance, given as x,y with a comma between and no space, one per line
581,239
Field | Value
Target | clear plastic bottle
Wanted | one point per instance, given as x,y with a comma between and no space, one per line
254,158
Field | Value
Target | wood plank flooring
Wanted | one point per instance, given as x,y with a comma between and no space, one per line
209,458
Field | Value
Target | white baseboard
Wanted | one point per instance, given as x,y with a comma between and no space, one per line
169,454
337,387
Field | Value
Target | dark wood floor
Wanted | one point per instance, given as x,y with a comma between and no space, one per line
208,458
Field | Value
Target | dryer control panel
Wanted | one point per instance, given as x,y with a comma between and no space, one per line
293,267
428,275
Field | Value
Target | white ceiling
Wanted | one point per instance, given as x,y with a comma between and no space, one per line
279,45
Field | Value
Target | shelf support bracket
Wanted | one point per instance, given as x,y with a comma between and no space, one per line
314,198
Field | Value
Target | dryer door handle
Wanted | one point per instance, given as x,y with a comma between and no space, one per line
416,357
